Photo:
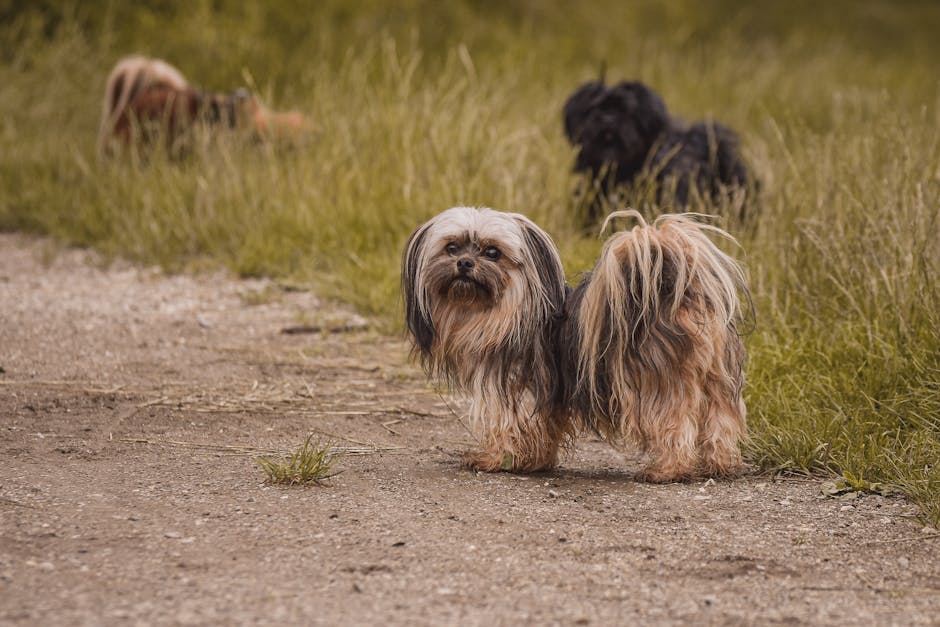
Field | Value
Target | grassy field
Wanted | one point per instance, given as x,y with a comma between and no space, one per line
432,104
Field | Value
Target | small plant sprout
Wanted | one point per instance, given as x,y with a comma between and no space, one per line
311,463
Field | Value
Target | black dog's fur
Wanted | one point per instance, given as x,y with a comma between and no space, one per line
622,130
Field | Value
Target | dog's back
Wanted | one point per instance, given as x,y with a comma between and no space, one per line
705,155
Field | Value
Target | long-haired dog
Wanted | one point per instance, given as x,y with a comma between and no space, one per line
645,350
625,130
145,98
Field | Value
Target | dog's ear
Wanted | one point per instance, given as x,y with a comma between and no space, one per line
578,106
646,107
546,264
416,317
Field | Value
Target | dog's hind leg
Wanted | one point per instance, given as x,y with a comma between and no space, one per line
671,432
722,431
725,417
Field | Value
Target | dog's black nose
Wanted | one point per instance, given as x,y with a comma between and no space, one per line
464,264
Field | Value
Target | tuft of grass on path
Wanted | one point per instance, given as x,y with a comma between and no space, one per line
313,462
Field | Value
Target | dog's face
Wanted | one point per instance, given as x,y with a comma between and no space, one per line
614,127
474,258
468,262
238,108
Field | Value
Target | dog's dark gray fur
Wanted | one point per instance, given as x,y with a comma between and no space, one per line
625,129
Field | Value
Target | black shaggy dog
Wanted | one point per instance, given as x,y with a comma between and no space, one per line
624,130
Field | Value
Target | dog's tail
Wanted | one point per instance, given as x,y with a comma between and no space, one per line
656,293
127,79
280,126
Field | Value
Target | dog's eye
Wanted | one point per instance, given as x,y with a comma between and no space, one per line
492,253
451,248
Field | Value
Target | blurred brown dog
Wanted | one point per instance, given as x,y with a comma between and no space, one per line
149,98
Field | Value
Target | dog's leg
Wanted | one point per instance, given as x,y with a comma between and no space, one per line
671,432
725,424
722,432
514,439
513,457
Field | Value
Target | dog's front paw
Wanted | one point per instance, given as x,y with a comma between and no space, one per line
488,461
504,461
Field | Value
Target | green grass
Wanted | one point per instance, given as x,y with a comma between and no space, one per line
313,462
426,104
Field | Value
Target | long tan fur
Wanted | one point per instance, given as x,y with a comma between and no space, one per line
130,76
658,336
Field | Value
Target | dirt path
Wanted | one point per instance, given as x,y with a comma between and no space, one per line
127,400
